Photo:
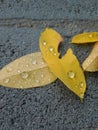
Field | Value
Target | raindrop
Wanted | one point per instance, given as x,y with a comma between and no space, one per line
90,35
81,96
71,74
42,63
34,62
9,69
6,80
54,54
76,86
51,49
24,75
44,43
81,84
21,86
49,79
42,75
27,65
18,71
37,81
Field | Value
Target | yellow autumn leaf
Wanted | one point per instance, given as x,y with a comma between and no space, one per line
67,69
91,62
26,72
86,37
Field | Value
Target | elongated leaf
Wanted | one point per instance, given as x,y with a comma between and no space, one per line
67,69
87,37
26,72
91,62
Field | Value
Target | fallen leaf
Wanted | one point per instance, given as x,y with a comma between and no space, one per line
91,62
26,72
67,69
86,37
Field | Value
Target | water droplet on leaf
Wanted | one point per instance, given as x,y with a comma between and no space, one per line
18,71
54,54
34,62
24,75
71,74
44,43
51,49
42,75
27,65
90,35
6,80
76,86
9,69
81,97
37,81
81,84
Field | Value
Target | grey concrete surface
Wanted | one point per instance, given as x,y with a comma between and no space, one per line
51,107
49,9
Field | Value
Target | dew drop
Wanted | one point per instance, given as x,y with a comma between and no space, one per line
81,84
54,54
76,86
81,97
9,69
44,43
71,74
6,80
37,81
18,71
42,63
51,49
34,62
49,79
42,75
90,35
27,65
24,75
21,86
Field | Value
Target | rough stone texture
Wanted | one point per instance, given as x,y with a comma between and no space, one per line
49,9
51,107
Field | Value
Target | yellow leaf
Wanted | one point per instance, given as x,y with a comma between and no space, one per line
91,62
67,69
26,72
87,37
